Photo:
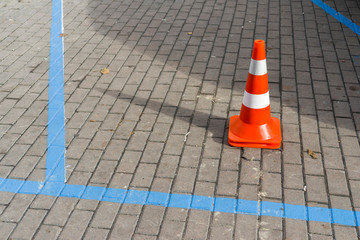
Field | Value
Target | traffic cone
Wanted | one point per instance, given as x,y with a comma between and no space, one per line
255,127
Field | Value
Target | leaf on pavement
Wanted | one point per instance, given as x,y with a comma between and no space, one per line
105,71
312,154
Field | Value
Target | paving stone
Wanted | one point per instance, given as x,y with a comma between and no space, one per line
6,228
271,185
43,202
345,232
222,226
103,172
168,166
124,226
105,215
245,226
171,230
29,224
296,229
271,161
17,207
144,175
293,177
47,231
332,158
76,225
96,233
198,224
60,212
184,181
337,182
350,146
151,220
316,189
208,170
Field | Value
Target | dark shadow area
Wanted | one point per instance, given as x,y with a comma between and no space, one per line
214,124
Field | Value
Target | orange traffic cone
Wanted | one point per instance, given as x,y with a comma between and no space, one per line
255,127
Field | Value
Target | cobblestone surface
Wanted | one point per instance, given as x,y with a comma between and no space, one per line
159,120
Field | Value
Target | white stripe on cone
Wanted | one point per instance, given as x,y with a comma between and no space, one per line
258,67
256,101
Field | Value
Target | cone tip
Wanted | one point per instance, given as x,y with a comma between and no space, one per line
259,50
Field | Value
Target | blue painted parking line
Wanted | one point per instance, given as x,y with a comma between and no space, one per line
187,201
54,184
338,16
55,157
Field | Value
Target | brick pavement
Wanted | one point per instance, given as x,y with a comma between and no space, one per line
158,120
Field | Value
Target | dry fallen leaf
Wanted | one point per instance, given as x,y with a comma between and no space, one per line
105,71
92,121
63,35
189,33
312,154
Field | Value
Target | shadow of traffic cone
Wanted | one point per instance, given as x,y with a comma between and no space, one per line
255,127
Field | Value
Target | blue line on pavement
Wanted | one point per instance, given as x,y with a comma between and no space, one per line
187,201
55,157
338,16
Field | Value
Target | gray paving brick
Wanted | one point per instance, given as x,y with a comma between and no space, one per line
150,221
227,183
245,227
271,185
291,133
76,225
124,226
129,162
30,135
77,148
6,228
184,181
24,167
293,177
311,141
250,172
296,229
103,172
105,215
171,230
337,182
345,232
313,166
138,140
17,207
96,233
222,226
271,161
43,202
144,175
174,144
100,140
316,189
332,158
29,224
198,223
350,146
47,231
341,109
329,137
60,212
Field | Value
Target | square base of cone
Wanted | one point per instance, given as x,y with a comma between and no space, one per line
272,142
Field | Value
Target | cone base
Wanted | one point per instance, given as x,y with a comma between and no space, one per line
242,134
